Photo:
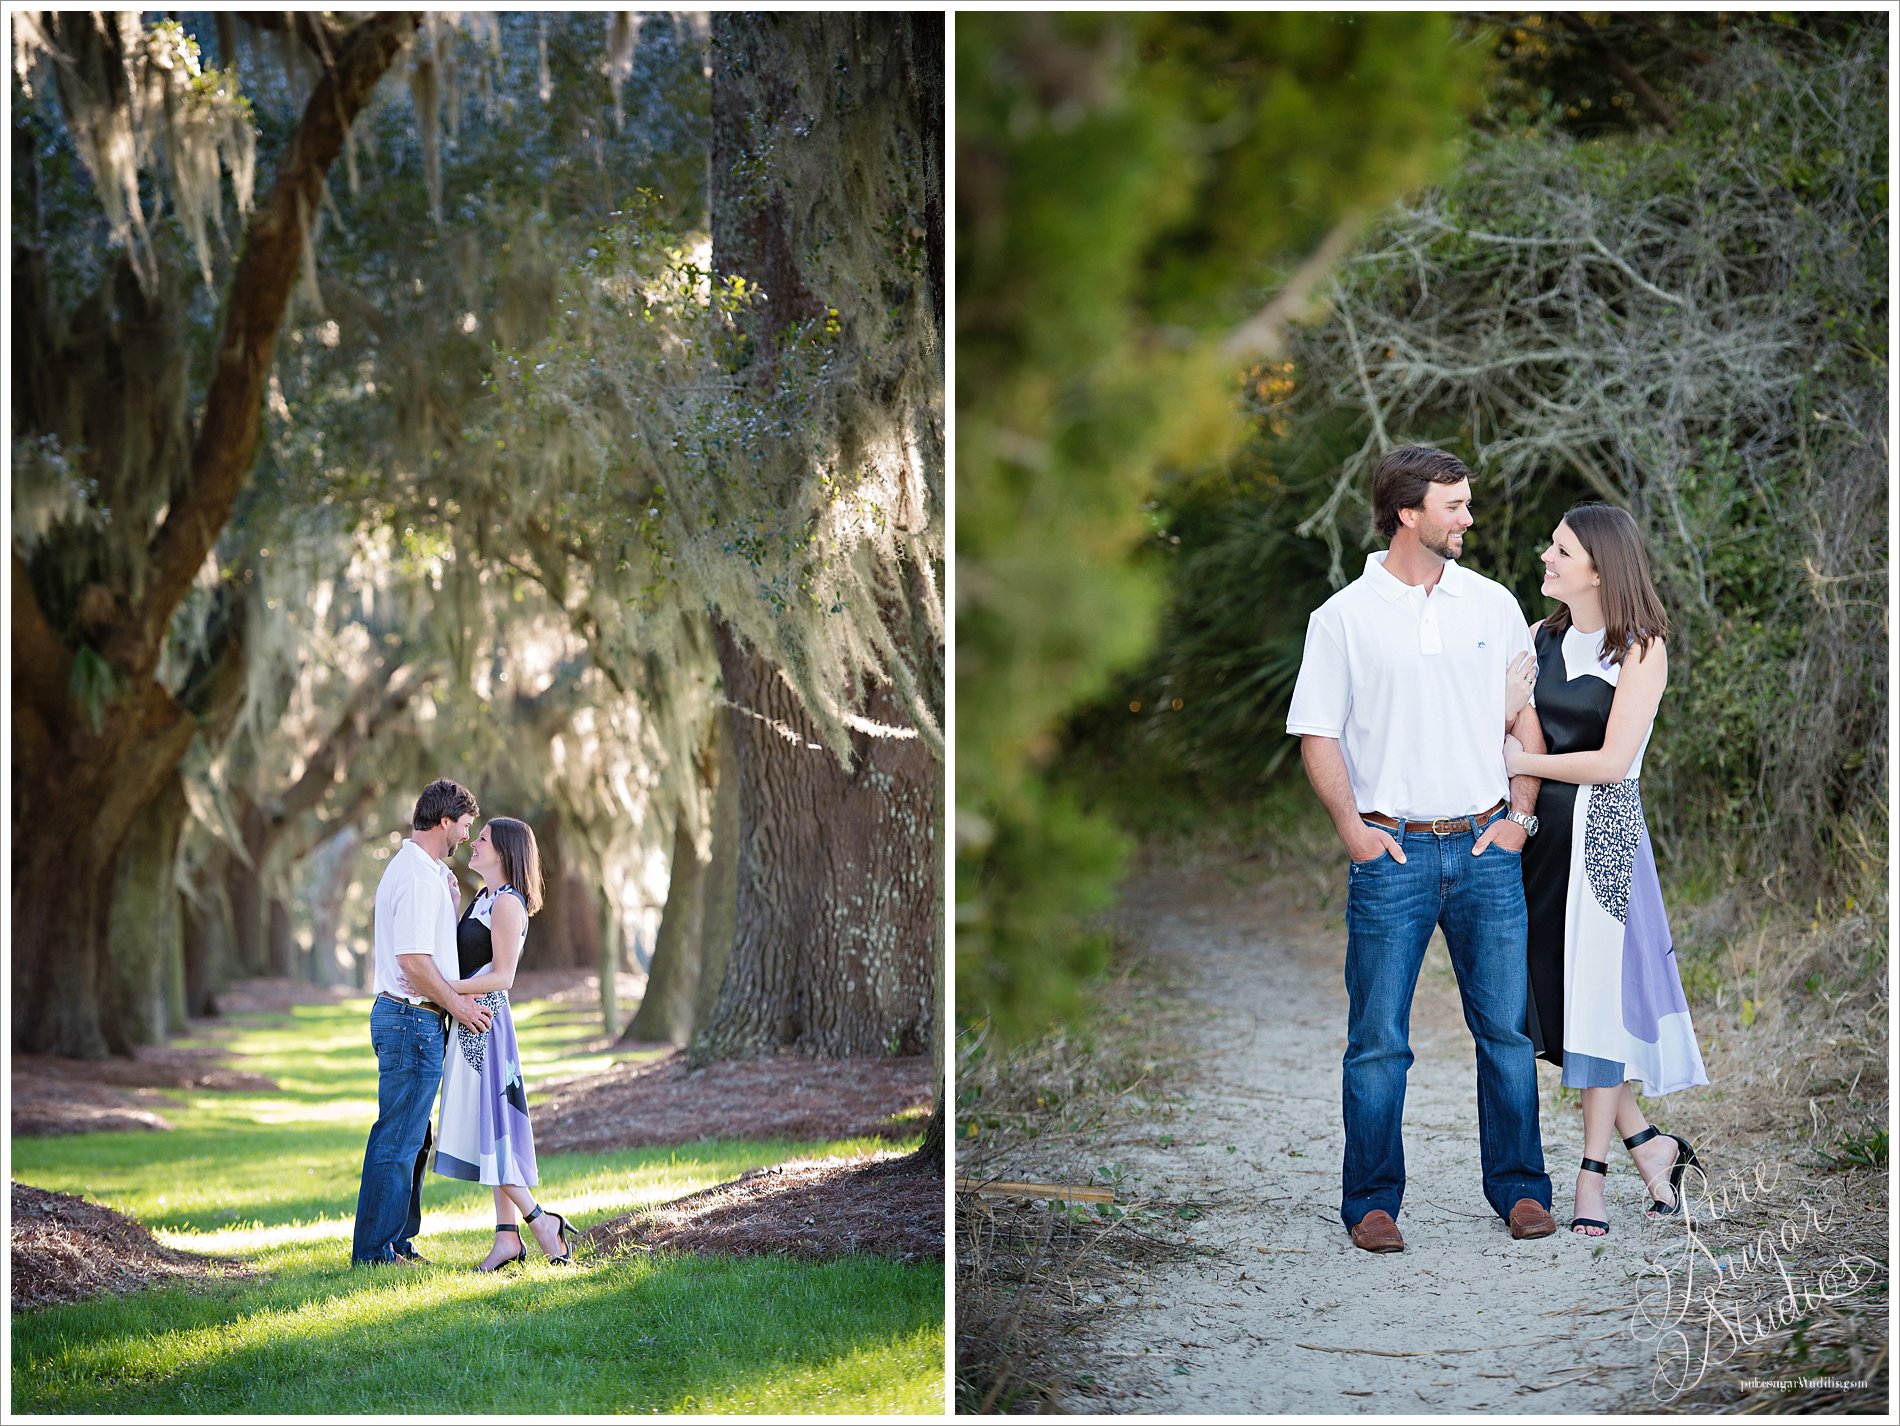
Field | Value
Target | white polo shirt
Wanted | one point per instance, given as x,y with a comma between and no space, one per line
415,914
1412,686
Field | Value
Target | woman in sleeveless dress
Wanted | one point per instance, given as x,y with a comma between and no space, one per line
483,1135
1606,1001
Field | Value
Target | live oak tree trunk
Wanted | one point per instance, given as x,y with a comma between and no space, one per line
246,894
76,801
566,933
147,928
610,937
837,909
336,868
210,946
665,1015
85,767
696,925
147,922
719,890
838,940
578,909
285,957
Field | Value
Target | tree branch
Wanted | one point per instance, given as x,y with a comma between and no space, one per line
229,430
1624,71
42,664
349,735
320,37
1262,337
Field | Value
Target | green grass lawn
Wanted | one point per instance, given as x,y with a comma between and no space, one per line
270,1179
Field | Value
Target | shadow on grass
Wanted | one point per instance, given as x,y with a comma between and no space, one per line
855,1335
252,1180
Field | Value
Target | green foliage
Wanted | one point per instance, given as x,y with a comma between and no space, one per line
138,103
94,685
1668,320
1047,863
1229,645
1117,213
1868,1150
770,458
269,1178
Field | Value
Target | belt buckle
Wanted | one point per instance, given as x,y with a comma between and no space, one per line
1445,826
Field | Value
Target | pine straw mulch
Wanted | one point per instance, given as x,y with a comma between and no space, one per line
278,995
53,1095
808,1208
64,1248
575,991
778,1097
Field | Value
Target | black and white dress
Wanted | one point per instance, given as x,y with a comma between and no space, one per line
1606,1000
483,1134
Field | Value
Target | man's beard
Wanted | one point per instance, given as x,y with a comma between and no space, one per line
1443,545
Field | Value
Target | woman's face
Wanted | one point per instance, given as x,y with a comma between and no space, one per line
1568,571
482,857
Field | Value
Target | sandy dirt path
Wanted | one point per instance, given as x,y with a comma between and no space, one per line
1281,1313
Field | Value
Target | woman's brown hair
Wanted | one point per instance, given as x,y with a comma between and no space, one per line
1632,610
520,858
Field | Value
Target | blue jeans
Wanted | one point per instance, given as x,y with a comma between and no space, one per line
408,1041
1391,908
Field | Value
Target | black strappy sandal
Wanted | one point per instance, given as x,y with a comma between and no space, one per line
1685,1160
567,1253
521,1255
1596,1166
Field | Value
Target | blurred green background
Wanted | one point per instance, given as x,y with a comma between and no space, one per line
1631,257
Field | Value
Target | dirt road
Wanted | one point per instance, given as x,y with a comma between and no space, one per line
1281,1313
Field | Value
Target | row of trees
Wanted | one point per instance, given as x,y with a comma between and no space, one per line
586,444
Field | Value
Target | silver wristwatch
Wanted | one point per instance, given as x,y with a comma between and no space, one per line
1526,820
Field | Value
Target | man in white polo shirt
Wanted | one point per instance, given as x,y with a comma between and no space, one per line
1400,710
408,1022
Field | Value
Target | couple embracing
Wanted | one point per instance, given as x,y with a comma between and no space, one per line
434,971
1483,778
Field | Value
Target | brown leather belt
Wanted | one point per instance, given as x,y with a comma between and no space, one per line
1438,826
429,1005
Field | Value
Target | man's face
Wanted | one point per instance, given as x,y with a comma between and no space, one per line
1444,517
458,830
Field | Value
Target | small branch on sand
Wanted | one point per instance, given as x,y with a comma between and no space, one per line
1064,1192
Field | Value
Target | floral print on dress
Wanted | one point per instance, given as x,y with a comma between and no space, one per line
474,1043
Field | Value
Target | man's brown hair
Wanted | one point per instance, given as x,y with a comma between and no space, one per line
1402,478
443,798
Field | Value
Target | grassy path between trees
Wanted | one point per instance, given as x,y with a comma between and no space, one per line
269,1179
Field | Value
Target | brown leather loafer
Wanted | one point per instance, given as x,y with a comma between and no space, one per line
1530,1219
1377,1233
